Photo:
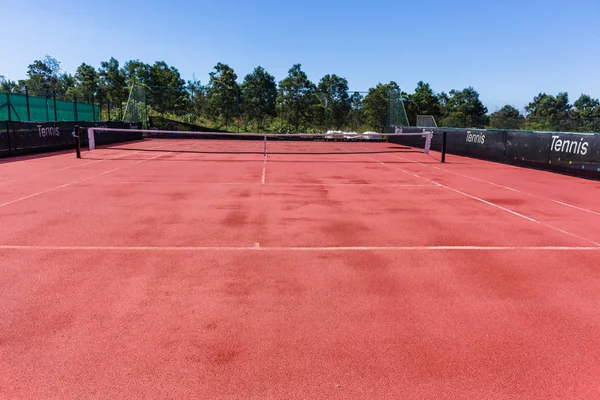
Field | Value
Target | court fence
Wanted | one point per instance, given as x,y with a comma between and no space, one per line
25,108
22,138
573,153
571,123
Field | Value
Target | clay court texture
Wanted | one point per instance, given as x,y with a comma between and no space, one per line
193,269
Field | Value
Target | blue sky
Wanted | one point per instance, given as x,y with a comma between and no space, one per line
508,50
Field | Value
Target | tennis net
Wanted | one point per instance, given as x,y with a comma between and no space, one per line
260,143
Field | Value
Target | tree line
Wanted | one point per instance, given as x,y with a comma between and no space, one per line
294,104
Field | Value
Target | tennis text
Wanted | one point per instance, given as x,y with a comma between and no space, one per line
475,137
49,131
569,146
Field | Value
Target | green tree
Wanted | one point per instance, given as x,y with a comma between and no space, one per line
259,95
423,102
376,104
297,97
43,77
166,91
198,100
547,112
223,93
8,86
463,109
136,73
355,113
586,113
334,91
507,117
112,83
65,89
86,82
443,99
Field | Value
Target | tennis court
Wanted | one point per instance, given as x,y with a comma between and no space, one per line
178,268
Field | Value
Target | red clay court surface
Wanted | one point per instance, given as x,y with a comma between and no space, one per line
135,274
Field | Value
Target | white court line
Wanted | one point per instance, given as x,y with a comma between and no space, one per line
258,184
518,191
55,188
459,192
523,216
258,247
505,187
462,193
83,180
71,166
497,206
405,171
264,172
75,165
491,204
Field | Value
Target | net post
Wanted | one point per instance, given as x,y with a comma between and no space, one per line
77,141
265,146
91,138
444,138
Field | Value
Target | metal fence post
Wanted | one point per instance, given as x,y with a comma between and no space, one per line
55,111
145,116
8,106
388,115
75,107
237,105
8,135
93,109
27,100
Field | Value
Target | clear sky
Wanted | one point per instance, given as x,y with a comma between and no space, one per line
508,50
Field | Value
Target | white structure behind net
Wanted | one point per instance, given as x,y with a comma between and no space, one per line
426,121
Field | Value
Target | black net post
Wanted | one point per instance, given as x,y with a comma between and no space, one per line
77,141
27,100
444,137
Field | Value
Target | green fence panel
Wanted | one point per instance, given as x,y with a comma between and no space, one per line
86,112
41,109
3,106
65,110
18,107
